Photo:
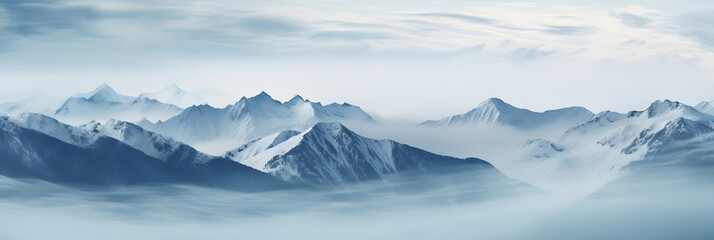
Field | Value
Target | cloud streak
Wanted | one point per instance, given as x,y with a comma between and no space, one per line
30,18
149,29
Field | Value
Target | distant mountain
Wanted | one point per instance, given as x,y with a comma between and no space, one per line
106,161
217,130
172,94
36,103
706,107
496,112
598,149
329,153
661,123
593,153
105,103
674,131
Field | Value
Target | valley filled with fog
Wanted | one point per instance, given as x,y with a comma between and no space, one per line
652,206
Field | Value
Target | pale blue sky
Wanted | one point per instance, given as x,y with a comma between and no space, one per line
412,59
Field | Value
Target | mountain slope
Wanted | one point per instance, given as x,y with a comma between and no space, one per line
105,103
706,107
596,151
106,161
150,143
329,153
217,130
496,112
36,103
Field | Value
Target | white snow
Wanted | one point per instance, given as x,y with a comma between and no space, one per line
54,128
496,112
105,103
150,143
594,152
216,131
259,153
706,107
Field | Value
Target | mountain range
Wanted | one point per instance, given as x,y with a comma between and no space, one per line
329,153
258,143
217,130
95,159
495,111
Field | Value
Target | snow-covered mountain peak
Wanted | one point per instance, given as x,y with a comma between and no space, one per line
673,131
262,96
217,130
170,92
671,109
152,144
329,153
105,103
54,128
495,103
660,107
609,116
706,107
332,129
105,93
495,111
296,100
173,89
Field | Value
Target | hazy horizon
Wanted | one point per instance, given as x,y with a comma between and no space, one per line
393,60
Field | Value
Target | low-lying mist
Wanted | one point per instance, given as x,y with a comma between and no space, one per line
459,205
577,173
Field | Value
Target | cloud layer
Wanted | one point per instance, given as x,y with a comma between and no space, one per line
511,30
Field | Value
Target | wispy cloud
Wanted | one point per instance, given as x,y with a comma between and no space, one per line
698,25
29,18
153,28
569,30
353,35
633,20
462,17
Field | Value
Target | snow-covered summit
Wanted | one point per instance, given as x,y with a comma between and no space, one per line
706,107
676,130
217,130
152,144
495,111
105,93
329,153
105,103
30,149
596,150
54,128
663,107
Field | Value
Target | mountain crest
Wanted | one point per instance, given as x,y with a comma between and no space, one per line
174,88
333,129
105,93
495,102
659,107
295,100
706,107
